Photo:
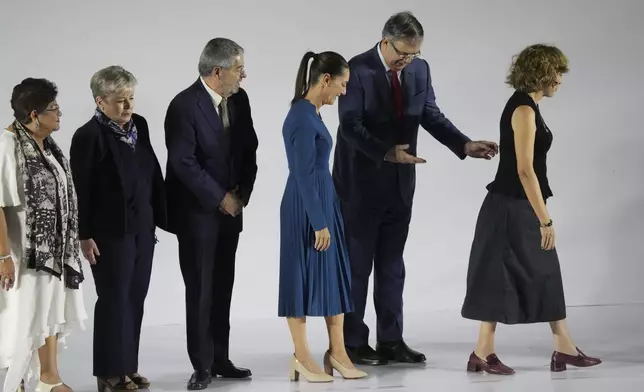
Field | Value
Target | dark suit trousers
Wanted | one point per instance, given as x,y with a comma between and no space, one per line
122,277
376,235
208,269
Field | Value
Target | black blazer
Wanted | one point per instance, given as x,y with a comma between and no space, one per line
368,130
102,208
205,162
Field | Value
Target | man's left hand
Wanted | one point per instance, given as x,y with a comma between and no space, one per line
481,149
235,192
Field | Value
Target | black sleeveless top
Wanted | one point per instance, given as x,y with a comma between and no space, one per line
507,180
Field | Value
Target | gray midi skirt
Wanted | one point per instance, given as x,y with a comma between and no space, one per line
510,279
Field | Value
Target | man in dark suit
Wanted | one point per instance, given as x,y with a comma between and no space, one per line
210,175
388,96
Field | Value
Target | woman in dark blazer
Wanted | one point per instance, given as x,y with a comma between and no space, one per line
121,201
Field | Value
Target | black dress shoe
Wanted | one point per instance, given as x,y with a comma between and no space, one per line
365,355
200,379
399,352
226,369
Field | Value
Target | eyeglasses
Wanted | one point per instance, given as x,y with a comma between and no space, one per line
404,55
55,109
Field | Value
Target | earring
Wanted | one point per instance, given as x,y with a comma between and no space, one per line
37,124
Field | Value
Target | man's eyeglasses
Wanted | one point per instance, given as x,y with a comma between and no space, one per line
404,55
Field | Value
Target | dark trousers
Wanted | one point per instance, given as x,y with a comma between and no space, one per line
208,269
122,277
376,237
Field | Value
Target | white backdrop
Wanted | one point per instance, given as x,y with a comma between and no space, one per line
594,165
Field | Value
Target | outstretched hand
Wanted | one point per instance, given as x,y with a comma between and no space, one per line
481,149
399,154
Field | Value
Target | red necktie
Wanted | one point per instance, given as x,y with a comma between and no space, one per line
397,94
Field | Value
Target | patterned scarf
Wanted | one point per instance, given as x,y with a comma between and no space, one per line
51,236
127,135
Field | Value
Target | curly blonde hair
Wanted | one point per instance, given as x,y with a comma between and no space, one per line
536,68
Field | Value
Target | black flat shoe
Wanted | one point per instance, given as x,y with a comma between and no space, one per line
200,379
227,369
365,355
399,352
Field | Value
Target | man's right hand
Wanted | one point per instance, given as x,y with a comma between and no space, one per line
231,205
90,250
398,154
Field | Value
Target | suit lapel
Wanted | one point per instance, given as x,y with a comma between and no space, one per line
112,145
208,108
204,101
231,112
407,85
382,82
384,89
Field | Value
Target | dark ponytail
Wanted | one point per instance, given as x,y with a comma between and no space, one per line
301,85
323,63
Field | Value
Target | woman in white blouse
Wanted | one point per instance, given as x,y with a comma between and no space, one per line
40,268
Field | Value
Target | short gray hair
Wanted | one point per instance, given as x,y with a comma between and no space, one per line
110,80
218,53
402,25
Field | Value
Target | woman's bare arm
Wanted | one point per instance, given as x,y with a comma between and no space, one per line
4,239
524,126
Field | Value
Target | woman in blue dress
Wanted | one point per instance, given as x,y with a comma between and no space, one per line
315,273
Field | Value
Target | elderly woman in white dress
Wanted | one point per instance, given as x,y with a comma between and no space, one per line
40,267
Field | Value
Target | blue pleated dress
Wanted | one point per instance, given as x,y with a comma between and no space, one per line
311,283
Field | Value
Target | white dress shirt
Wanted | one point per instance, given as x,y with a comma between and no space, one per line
216,98
387,69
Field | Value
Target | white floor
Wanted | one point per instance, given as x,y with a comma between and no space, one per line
614,333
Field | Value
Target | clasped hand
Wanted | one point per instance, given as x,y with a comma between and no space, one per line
231,205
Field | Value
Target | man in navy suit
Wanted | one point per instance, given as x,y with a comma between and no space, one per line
210,175
388,96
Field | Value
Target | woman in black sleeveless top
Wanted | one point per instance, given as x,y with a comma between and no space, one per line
514,275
